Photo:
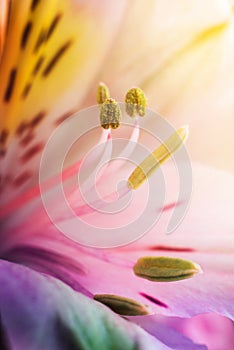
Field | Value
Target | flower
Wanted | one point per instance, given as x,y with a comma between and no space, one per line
50,48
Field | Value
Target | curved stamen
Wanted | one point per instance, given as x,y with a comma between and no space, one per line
99,156
47,185
133,140
87,183
140,174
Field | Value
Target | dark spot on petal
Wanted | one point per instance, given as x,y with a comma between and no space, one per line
26,90
31,152
53,25
153,300
172,249
3,136
21,178
10,85
63,117
21,128
38,65
40,40
27,139
25,35
34,4
55,59
37,119
27,126
4,341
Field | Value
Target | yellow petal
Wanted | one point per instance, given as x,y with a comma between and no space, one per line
52,51
52,47
151,35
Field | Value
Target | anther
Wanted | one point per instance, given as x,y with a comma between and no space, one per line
121,305
135,102
157,158
103,93
110,114
165,269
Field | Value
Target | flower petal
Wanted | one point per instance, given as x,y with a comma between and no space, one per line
158,326
214,330
205,236
46,44
200,238
39,312
164,29
186,49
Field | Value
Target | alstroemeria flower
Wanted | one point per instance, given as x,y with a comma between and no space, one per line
48,46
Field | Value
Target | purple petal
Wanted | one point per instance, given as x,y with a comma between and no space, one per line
173,339
40,312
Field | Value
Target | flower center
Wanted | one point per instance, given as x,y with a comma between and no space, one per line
135,105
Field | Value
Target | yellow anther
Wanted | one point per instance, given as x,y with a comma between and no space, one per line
110,114
136,102
121,305
157,158
165,269
102,93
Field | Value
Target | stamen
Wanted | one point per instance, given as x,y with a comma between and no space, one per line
98,159
110,114
130,147
136,102
157,158
165,269
121,305
103,93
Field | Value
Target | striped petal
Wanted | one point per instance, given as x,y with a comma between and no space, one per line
46,69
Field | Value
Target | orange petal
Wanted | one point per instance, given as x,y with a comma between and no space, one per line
4,7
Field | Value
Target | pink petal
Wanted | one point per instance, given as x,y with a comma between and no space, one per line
40,312
110,271
213,330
